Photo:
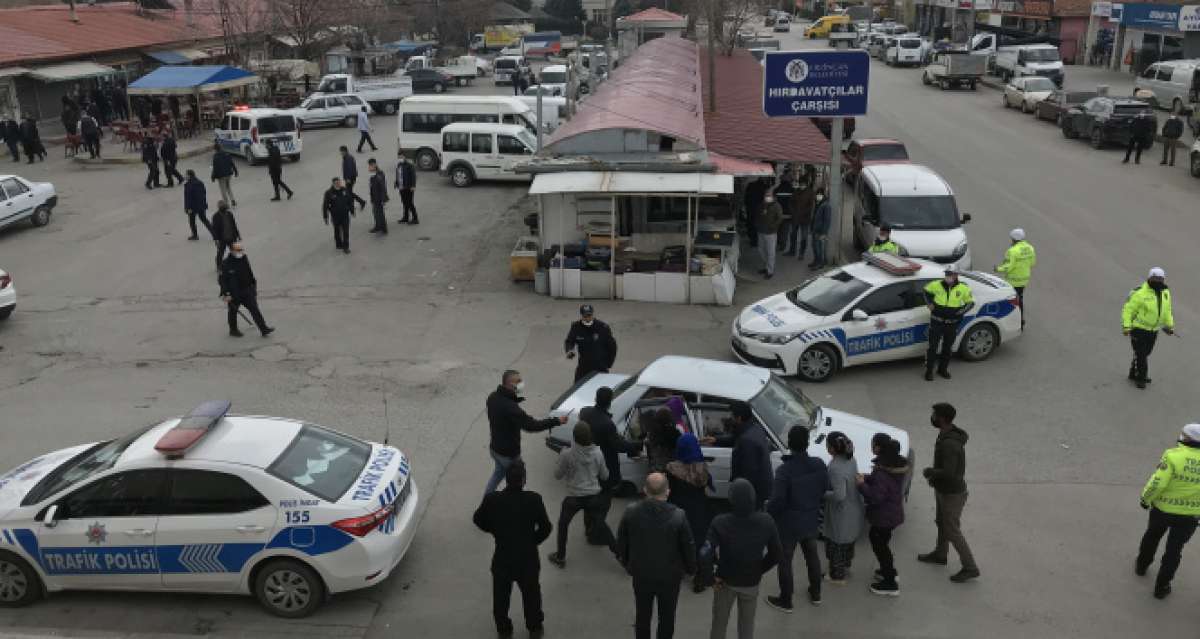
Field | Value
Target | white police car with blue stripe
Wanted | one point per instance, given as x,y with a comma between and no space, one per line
287,511
869,311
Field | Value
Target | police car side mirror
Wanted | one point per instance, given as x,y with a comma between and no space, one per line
966,217
48,518
859,315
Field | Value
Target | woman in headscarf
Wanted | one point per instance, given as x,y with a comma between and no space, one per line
844,509
660,441
675,405
689,481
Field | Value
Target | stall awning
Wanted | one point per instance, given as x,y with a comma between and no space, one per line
683,184
169,57
7,72
180,80
738,167
71,71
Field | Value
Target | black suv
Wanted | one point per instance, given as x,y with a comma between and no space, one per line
1103,120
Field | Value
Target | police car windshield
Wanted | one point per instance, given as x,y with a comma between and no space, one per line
321,462
827,294
921,212
89,463
781,406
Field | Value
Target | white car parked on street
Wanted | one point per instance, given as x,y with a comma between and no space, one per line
8,295
1026,91
866,312
330,109
708,389
920,207
21,199
905,50
284,510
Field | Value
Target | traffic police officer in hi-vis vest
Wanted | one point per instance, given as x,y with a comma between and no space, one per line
883,242
1019,260
1147,310
1173,498
948,300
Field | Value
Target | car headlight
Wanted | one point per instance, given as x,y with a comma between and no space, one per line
960,250
778,339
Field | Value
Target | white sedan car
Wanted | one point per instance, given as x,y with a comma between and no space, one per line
708,389
8,295
284,510
330,109
1026,92
867,312
21,199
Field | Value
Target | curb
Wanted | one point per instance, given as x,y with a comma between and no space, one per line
123,160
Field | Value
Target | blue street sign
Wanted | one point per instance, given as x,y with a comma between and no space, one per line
826,84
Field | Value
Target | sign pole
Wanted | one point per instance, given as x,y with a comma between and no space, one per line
833,242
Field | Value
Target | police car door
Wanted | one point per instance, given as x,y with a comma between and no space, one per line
883,325
102,535
213,523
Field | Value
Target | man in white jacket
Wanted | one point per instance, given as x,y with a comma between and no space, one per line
364,130
582,467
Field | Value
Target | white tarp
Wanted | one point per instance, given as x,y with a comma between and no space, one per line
71,71
631,183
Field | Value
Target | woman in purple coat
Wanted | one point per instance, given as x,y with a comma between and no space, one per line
883,491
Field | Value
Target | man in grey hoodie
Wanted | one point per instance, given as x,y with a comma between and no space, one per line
582,467
743,544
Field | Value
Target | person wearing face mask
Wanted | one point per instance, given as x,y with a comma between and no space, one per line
1173,498
240,288
945,476
883,242
822,218
224,230
506,420
1147,310
768,234
948,300
594,342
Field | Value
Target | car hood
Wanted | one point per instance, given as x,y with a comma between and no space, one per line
776,314
929,243
860,430
16,483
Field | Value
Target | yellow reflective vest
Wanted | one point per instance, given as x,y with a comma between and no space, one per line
1019,260
1143,310
1175,485
887,247
957,297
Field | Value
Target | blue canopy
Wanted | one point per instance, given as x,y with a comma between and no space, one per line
409,47
184,80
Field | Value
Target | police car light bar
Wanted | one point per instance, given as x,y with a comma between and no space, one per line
191,428
893,264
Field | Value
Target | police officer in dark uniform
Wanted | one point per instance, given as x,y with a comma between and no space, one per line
239,288
594,342
275,170
339,205
150,159
169,152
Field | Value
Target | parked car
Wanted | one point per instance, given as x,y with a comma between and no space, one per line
8,295
1172,83
473,151
554,77
330,109
21,199
904,50
1104,120
875,44
920,207
429,80
1025,92
1059,102
507,68
871,151
783,24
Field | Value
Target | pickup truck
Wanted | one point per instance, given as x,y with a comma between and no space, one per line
382,93
463,69
954,68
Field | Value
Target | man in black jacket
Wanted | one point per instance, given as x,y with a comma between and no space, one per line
751,455
605,435
275,170
89,129
406,181
506,420
169,153
339,205
195,204
31,140
517,519
1172,130
224,229
10,131
654,543
378,193
223,169
1141,136
797,500
594,342
743,545
950,492
350,175
239,288
150,159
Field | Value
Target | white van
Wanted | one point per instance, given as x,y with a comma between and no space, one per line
245,131
476,151
1171,82
554,110
421,118
919,206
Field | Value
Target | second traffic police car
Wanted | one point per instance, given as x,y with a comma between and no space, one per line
870,311
284,510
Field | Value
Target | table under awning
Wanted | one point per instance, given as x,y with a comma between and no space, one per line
187,80
70,71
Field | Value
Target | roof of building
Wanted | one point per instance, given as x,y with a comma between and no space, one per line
46,33
653,14
740,129
503,11
656,89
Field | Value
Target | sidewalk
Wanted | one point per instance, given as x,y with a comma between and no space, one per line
115,152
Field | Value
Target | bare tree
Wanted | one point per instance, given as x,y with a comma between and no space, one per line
243,26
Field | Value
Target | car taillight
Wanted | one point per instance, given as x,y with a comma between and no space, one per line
254,134
360,526
5,280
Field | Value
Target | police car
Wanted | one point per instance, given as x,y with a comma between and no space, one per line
869,311
288,511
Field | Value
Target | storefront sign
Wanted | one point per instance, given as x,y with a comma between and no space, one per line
1118,9
1102,9
815,83
1141,15
1189,18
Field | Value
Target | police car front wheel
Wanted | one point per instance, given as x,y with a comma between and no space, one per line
19,584
817,364
979,343
288,588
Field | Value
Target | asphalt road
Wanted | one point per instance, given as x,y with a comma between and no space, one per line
119,325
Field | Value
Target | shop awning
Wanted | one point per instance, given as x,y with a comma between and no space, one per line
683,184
7,72
738,167
169,57
180,80
71,71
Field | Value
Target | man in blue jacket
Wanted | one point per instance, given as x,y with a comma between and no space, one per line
796,503
195,203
